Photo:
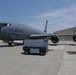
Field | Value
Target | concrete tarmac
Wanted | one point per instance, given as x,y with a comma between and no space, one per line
60,60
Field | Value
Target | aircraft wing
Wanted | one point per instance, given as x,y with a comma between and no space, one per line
54,37
45,35
50,35
65,35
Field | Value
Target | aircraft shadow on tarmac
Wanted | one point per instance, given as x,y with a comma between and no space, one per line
62,44
71,52
15,44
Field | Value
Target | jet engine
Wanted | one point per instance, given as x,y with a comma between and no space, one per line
74,38
55,39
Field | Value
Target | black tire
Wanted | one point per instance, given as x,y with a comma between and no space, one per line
10,44
26,52
42,53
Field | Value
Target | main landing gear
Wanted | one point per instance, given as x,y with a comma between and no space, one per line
10,43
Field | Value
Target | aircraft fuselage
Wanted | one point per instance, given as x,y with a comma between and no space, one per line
17,31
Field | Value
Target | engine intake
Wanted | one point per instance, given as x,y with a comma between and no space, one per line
55,39
74,38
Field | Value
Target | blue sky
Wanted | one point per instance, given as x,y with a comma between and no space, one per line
60,14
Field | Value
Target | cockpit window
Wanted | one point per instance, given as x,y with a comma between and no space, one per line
7,24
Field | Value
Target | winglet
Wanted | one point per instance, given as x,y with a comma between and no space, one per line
45,30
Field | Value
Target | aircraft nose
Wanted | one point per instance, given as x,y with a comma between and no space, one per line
1,25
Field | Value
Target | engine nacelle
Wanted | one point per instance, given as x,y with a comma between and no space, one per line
74,38
55,39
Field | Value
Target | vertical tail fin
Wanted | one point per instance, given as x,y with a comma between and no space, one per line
45,30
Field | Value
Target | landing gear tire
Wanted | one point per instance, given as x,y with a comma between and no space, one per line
10,44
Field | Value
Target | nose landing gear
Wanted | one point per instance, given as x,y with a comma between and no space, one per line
10,43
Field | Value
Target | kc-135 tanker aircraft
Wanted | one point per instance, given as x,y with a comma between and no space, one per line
10,31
